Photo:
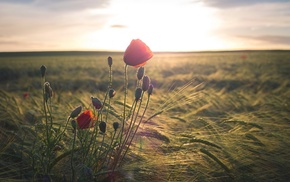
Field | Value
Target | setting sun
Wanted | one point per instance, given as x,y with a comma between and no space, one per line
165,27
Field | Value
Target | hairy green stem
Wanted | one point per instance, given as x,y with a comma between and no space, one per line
110,148
124,116
110,77
125,100
72,154
136,129
61,134
123,144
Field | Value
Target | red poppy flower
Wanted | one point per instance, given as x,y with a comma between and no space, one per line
137,53
25,95
85,120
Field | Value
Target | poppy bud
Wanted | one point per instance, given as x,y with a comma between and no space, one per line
140,73
42,70
138,93
103,126
115,126
150,90
146,83
110,61
46,87
112,93
48,91
96,103
57,148
76,112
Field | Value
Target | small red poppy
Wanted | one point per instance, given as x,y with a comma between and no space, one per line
85,120
25,95
137,53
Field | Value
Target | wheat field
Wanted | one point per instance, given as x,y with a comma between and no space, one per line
213,116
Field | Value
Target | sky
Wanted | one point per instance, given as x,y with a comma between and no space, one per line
164,25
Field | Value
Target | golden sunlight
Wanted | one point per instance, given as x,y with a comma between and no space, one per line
165,26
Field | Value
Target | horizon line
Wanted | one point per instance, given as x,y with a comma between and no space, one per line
114,51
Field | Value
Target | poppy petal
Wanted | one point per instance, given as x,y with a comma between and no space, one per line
137,53
85,120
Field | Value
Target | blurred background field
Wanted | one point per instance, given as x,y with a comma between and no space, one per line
222,116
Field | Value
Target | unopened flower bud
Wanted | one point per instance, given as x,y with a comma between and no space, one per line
146,83
150,90
47,91
47,87
112,93
96,103
42,70
76,112
138,93
57,148
115,126
103,126
110,61
140,73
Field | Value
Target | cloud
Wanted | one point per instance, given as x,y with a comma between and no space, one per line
27,19
71,5
41,24
118,26
17,1
253,24
238,3
25,45
255,20
60,5
273,39
9,42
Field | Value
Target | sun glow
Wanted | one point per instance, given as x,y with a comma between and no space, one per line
163,25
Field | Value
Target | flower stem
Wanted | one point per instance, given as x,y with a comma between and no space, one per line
125,100
136,129
45,113
127,135
65,127
101,147
71,159
110,148
124,118
110,77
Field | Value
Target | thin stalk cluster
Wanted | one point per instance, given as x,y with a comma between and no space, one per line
96,145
